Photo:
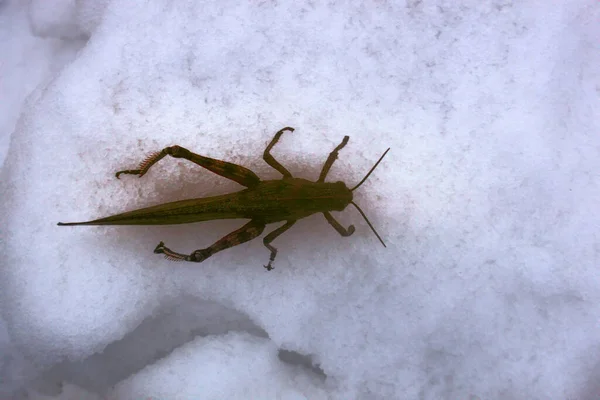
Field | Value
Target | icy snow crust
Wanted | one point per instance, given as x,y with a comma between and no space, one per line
488,201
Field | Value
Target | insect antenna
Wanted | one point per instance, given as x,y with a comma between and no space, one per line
367,175
358,208
368,222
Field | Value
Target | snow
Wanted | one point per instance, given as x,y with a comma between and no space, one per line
487,201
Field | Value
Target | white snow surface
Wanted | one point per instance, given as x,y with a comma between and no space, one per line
489,200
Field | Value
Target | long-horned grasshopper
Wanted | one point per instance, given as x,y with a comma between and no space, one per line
263,202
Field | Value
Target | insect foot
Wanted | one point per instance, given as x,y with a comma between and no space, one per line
268,267
196,256
169,254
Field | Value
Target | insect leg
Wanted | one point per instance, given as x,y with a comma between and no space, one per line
247,232
269,158
337,226
332,157
272,236
228,170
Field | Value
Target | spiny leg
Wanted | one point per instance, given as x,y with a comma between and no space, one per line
332,157
247,232
337,226
228,170
272,236
269,158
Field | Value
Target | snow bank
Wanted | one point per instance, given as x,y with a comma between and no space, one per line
487,202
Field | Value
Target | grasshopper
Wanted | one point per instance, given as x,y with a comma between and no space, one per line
263,202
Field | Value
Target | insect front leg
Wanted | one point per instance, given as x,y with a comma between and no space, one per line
330,160
247,232
228,170
272,236
337,226
269,158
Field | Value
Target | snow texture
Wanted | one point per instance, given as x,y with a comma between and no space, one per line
488,201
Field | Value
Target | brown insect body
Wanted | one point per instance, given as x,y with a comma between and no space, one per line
270,201
263,202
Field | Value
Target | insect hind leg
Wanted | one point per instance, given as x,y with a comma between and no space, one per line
247,232
228,170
